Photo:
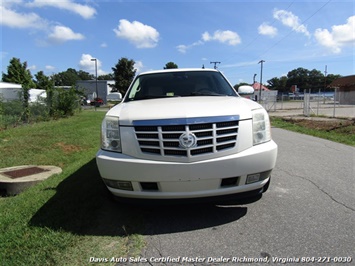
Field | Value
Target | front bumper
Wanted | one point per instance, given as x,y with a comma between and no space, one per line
188,180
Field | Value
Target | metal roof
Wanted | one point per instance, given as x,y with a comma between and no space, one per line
347,81
7,85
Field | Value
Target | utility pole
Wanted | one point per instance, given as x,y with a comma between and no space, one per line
325,77
97,93
215,64
261,78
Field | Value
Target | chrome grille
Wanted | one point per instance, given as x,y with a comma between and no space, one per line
162,137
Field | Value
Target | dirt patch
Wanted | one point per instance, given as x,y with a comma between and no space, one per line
68,148
346,126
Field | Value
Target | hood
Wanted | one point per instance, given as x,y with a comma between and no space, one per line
183,107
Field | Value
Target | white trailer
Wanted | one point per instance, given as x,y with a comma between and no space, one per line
10,91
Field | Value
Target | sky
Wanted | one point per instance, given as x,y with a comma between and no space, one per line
54,35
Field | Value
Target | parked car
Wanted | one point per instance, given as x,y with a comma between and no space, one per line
97,102
186,134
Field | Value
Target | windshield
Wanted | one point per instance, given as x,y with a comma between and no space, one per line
180,84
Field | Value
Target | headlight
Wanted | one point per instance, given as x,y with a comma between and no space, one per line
261,127
110,134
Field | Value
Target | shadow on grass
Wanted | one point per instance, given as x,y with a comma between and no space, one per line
82,205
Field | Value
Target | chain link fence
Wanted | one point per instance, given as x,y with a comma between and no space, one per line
307,104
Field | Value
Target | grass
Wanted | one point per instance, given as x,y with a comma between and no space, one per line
342,134
67,218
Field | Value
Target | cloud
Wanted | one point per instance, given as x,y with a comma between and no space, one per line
84,11
227,36
266,29
13,19
141,35
33,67
183,48
88,65
290,20
138,65
49,67
3,55
61,34
339,36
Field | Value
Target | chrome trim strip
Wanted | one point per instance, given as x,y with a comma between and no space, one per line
185,121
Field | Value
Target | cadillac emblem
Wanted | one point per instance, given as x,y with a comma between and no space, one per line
187,140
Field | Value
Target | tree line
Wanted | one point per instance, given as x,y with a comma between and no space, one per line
305,80
63,99
123,73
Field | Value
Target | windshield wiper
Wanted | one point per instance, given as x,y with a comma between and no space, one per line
147,97
206,93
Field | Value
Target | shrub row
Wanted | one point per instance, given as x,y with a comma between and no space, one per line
58,103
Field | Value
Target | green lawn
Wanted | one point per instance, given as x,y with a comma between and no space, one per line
70,217
341,132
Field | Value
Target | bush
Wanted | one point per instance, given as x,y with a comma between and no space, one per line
10,113
59,103
62,102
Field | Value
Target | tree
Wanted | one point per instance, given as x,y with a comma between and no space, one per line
329,79
82,75
43,82
279,84
106,77
17,72
306,79
66,78
236,86
170,65
46,83
298,77
123,73
316,80
70,77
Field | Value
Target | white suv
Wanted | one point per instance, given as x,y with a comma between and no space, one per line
185,134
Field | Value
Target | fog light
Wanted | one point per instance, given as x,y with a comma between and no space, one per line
124,185
253,178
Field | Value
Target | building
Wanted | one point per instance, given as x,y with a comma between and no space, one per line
266,94
104,87
10,91
37,95
345,89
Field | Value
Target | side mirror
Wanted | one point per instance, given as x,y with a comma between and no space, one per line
114,97
245,90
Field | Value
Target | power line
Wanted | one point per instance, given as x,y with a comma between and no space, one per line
288,34
258,36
